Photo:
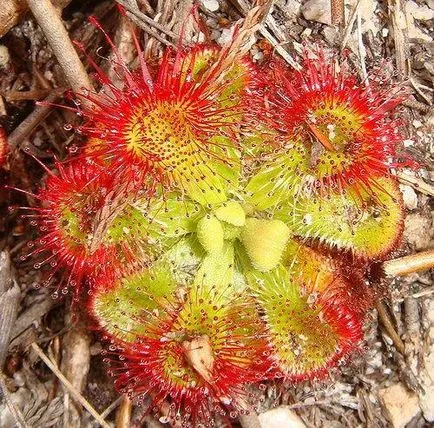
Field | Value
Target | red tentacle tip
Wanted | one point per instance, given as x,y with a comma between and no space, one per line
94,21
121,9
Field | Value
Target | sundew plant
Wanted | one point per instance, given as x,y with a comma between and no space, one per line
218,223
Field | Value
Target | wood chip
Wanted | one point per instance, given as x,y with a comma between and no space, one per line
75,364
10,295
67,384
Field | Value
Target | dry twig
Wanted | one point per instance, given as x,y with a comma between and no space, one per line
75,364
417,183
417,105
27,126
148,30
349,27
34,94
361,47
338,12
390,329
123,416
15,411
149,21
31,315
409,264
244,6
111,407
77,396
49,20
399,26
10,295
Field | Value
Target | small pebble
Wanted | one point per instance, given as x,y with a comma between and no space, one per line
225,36
400,404
279,418
215,34
211,23
309,400
418,231
317,10
4,56
306,33
388,340
211,5
417,123
409,196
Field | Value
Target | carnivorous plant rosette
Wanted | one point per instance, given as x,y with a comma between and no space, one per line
214,214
